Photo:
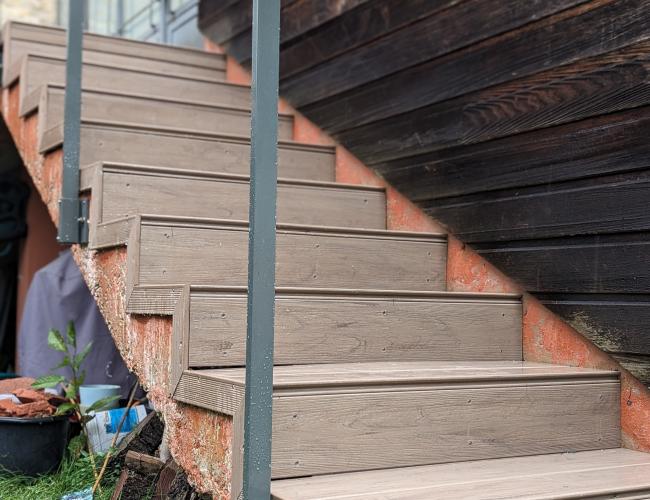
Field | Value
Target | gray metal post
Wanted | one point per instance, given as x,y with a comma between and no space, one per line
164,21
72,210
261,251
120,18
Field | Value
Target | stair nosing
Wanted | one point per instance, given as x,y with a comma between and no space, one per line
511,298
342,293
153,219
232,138
240,109
173,48
509,472
319,380
222,83
216,176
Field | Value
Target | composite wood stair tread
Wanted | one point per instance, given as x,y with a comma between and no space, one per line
332,418
175,147
47,37
319,376
122,190
340,325
386,386
142,109
615,473
36,70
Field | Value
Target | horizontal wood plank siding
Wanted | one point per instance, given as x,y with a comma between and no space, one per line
521,126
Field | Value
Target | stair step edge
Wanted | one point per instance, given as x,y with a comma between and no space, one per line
53,137
161,299
217,82
411,373
559,476
168,100
87,172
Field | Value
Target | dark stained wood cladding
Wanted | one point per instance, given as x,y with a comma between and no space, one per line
230,27
589,148
523,126
494,61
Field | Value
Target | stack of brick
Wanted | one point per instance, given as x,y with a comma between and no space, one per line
18,399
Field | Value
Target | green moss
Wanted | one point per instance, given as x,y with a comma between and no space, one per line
72,476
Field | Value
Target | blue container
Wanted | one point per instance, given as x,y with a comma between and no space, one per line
88,394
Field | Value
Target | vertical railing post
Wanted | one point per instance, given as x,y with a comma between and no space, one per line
164,21
72,211
261,251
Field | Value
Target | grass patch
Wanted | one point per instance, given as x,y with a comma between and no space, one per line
71,477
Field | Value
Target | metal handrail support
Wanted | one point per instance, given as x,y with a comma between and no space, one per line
261,251
73,211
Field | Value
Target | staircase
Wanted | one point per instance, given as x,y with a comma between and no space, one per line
385,386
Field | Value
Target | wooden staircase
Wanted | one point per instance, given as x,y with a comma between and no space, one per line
386,385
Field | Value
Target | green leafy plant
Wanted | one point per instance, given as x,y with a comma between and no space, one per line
72,359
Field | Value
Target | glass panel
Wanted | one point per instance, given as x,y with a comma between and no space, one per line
141,18
102,16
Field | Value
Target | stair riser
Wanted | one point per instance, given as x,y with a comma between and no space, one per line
212,256
131,194
46,36
195,153
336,433
140,111
348,329
38,72
20,48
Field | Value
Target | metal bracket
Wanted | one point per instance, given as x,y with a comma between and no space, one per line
73,221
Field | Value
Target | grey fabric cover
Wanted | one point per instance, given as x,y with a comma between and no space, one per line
58,294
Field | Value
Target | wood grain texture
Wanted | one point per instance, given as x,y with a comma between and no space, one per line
390,429
158,112
521,126
138,191
598,146
185,149
19,48
224,20
352,29
198,390
589,206
180,339
589,474
50,35
453,411
462,25
39,70
154,300
593,264
327,329
637,364
497,60
617,323
209,254
595,86
343,378
297,19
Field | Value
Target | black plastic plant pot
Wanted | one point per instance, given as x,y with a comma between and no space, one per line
32,446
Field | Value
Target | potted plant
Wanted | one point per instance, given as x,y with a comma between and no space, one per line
33,439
